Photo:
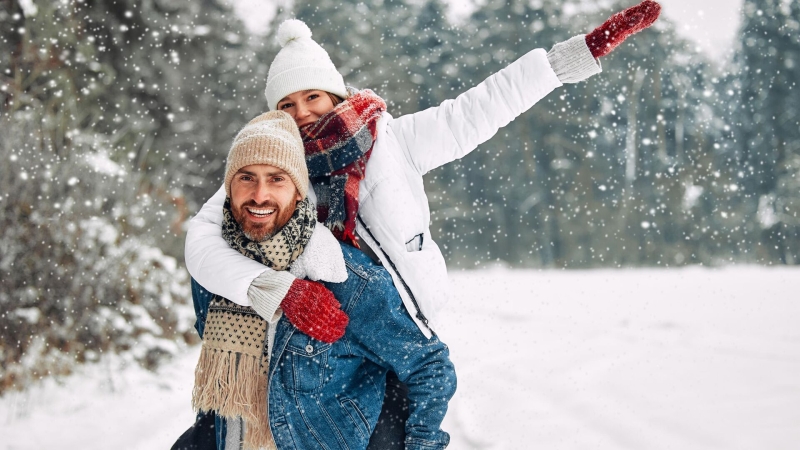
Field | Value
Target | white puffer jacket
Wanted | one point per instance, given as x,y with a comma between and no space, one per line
394,217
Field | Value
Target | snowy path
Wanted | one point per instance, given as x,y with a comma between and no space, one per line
687,359
682,359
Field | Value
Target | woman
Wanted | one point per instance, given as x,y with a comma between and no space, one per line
366,169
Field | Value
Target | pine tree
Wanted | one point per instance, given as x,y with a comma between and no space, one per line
769,123
593,175
105,119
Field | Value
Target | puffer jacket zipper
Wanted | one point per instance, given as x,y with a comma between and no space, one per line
419,314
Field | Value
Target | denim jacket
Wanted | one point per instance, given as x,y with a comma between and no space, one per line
329,396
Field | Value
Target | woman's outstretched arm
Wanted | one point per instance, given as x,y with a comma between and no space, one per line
448,132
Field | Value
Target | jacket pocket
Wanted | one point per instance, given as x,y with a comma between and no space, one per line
415,243
304,366
356,416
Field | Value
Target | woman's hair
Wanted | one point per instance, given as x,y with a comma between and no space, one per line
335,98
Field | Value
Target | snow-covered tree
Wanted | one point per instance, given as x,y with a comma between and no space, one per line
110,112
768,124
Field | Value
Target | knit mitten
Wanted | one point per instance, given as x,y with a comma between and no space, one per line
308,305
311,308
613,31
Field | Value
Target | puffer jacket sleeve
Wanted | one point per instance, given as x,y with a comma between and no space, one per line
441,134
212,262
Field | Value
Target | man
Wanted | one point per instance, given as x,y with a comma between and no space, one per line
321,394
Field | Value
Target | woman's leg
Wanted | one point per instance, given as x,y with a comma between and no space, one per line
390,431
200,436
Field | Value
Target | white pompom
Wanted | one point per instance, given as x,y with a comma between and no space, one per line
292,29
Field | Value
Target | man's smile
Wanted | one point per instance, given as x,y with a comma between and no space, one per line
260,213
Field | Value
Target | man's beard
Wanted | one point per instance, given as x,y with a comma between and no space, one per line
258,232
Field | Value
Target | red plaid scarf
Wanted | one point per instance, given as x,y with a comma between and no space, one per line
338,146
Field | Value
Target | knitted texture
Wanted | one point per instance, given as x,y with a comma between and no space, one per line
300,64
613,31
338,146
271,138
572,61
280,250
231,377
267,291
311,308
308,305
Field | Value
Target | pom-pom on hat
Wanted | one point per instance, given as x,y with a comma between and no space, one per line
301,64
271,138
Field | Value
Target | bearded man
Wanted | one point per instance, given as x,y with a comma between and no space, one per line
271,385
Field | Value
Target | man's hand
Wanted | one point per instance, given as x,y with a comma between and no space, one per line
311,308
613,31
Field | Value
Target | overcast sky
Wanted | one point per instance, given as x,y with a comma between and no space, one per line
711,23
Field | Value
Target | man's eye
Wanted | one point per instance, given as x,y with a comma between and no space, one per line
246,178
278,179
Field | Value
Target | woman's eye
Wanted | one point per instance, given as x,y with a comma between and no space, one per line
285,105
313,96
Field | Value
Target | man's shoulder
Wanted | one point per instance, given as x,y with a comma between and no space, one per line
365,279
359,263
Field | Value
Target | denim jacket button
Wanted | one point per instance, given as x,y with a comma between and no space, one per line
309,348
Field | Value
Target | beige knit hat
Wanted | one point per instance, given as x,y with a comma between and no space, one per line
301,64
271,138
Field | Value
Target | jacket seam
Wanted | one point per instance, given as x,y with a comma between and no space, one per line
356,295
354,406
453,134
496,85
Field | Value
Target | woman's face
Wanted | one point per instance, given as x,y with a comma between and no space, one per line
306,106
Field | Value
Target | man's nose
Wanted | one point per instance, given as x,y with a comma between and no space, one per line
261,193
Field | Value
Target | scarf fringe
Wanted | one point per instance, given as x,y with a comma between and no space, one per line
231,385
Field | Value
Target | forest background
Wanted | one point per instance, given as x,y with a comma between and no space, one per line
116,116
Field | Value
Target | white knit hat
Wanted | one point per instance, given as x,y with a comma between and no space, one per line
301,64
271,138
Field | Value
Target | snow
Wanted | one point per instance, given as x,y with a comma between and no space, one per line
685,359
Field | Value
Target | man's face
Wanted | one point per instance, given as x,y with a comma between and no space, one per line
263,199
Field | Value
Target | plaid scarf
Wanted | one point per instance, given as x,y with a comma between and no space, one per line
338,146
232,373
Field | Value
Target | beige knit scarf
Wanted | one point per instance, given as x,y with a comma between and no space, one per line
231,377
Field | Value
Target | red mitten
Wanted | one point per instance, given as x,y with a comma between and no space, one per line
311,308
613,31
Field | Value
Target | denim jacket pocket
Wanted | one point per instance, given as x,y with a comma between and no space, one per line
360,422
304,364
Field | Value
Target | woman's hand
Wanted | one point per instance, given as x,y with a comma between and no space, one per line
613,31
311,308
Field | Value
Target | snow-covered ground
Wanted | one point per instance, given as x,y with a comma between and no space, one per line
638,359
